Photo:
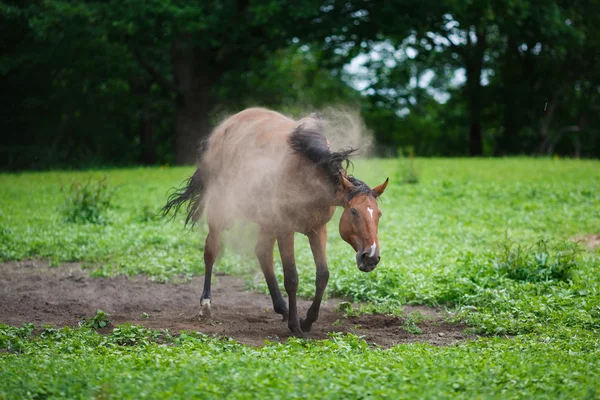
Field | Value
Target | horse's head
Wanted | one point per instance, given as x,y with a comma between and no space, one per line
360,219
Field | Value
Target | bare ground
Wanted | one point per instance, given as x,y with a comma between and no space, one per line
31,291
590,241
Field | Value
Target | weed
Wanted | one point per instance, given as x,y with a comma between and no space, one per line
146,214
406,171
538,263
98,321
87,201
436,239
410,322
345,307
130,335
14,339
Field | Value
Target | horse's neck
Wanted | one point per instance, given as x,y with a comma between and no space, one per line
313,186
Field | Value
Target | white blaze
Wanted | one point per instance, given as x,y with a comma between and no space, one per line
370,210
373,248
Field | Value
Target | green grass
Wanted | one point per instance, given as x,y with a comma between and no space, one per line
486,238
83,364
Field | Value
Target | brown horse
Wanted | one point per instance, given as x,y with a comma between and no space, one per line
261,166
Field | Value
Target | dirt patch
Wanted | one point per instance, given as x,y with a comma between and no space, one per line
31,291
590,241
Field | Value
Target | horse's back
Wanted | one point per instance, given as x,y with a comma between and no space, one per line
248,160
249,133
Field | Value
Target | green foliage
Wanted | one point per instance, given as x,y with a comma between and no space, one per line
443,241
527,75
467,237
87,201
13,339
83,364
411,322
99,321
387,307
130,335
407,171
539,263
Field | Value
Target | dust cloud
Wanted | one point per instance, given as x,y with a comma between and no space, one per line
251,176
344,128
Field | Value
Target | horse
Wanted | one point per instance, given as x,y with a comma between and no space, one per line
261,166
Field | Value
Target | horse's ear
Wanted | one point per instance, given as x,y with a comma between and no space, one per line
346,184
379,189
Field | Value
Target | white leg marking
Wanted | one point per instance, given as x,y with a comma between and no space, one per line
373,248
205,308
370,210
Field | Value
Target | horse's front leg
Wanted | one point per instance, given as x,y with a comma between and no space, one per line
285,241
318,242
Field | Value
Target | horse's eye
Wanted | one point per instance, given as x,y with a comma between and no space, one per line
354,211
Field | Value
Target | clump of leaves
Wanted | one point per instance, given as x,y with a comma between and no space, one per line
406,171
388,307
100,320
345,307
13,339
411,321
537,263
146,214
129,335
87,201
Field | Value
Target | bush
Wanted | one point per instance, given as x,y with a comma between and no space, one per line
99,321
87,202
406,171
538,263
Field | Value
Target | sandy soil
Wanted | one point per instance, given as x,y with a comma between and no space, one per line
31,291
590,241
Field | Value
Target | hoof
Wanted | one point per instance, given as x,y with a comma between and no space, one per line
205,308
296,331
305,325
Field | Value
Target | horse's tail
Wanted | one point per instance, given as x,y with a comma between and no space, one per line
191,193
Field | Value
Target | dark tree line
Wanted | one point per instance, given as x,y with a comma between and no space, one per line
113,82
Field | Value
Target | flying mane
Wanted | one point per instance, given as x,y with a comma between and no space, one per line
312,144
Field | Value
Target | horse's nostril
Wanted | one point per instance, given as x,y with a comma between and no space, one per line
365,258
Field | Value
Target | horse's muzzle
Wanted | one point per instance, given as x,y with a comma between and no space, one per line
365,262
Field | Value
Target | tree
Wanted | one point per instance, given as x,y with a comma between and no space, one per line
450,34
548,59
59,82
188,47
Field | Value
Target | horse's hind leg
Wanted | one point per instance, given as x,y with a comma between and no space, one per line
264,252
285,242
212,248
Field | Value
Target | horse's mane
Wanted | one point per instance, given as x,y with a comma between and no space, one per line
313,144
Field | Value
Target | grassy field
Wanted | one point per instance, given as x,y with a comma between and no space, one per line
489,239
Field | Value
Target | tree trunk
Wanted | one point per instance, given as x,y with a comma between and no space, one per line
506,143
194,75
194,79
474,105
545,146
148,153
140,87
192,124
474,67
